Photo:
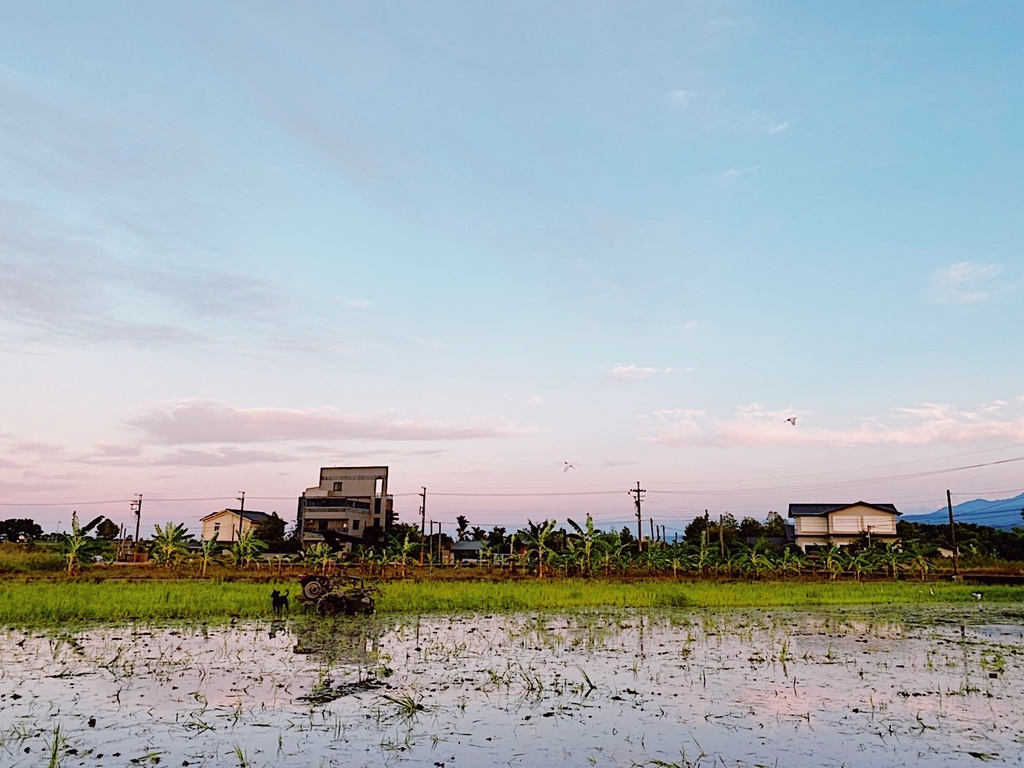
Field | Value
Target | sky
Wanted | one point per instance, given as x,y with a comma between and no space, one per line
528,255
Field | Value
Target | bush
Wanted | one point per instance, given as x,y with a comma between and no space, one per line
26,558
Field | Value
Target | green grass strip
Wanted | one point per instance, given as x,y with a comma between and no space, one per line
48,603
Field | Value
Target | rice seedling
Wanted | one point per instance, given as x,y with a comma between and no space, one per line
405,705
241,757
56,746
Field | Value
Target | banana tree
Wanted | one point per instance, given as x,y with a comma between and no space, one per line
790,562
319,556
207,554
705,554
170,544
246,550
892,558
857,563
613,557
582,542
537,539
832,561
400,555
73,547
918,561
752,560
78,545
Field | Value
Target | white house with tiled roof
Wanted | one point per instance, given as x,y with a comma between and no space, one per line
820,525
228,525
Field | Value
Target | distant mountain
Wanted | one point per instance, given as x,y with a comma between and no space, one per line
1003,514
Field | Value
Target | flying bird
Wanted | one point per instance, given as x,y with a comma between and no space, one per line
792,420
567,467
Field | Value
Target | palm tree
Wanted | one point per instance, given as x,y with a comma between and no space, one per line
170,544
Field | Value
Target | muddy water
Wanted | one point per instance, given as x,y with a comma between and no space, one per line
872,687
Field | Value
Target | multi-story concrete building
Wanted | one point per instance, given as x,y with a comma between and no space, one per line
351,502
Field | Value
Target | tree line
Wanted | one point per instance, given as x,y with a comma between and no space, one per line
709,546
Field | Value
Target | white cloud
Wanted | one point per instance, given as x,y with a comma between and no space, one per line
756,425
56,281
680,98
965,283
739,173
707,110
635,372
761,122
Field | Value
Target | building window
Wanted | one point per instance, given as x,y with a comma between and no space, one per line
376,522
216,528
355,525
337,486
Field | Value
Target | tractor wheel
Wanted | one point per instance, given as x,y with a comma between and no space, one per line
314,589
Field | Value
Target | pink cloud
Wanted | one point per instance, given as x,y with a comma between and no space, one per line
755,425
186,422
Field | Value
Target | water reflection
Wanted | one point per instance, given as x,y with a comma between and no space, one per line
339,640
889,686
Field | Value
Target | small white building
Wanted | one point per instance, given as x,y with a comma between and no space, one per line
228,525
820,525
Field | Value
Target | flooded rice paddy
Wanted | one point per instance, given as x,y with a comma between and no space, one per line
873,687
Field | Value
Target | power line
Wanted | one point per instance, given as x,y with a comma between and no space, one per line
569,494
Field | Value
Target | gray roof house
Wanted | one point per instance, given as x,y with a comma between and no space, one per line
842,524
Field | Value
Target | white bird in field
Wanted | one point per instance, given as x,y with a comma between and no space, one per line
792,420
976,596
567,467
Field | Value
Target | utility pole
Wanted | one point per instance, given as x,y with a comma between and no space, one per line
654,536
137,511
423,520
721,535
639,517
241,517
952,535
